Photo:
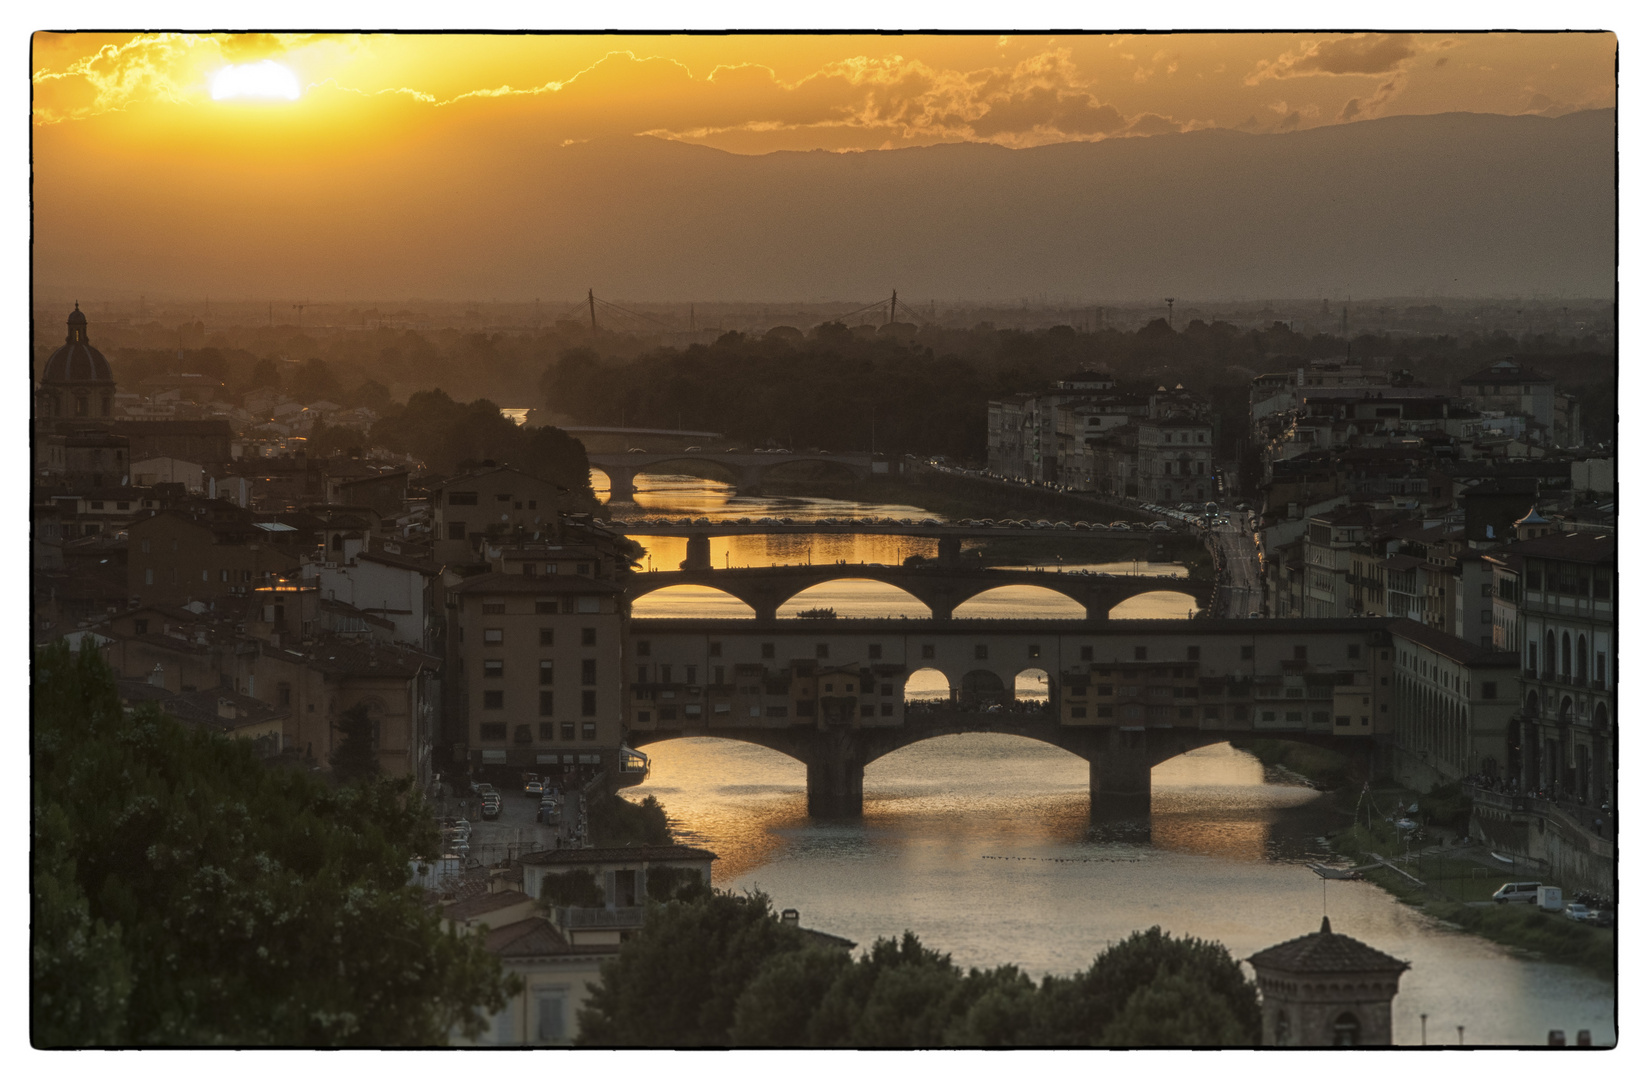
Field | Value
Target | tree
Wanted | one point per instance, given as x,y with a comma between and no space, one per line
1174,1010
314,382
188,894
356,756
679,981
264,374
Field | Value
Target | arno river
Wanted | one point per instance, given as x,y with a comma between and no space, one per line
982,845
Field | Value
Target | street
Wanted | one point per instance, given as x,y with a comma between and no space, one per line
1241,591
515,831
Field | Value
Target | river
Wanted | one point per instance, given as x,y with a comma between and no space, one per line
982,844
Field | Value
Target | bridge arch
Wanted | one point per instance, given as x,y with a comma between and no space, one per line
981,688
889,601
692,602
1033,684
928,686
1003,602
1156,604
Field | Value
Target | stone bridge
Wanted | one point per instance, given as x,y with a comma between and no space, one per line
941,588
1124,695
1119,760
748,470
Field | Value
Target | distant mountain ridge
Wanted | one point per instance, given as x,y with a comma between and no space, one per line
1456,204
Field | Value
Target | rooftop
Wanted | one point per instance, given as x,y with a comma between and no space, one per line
1325,952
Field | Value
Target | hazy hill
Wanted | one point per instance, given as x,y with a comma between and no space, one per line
1456,204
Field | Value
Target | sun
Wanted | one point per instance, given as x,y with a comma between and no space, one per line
264,79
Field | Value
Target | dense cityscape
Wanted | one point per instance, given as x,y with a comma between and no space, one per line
1070,670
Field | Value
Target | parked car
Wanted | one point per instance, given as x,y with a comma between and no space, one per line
534,789
491,805
528,779
1579,913
1522,892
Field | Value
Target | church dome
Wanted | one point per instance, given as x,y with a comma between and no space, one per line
76,361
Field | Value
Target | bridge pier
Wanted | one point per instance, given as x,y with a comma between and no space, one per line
835,785
949,549
698,553
623,485
1118,776
749,480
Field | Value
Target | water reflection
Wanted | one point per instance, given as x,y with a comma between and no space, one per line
982,845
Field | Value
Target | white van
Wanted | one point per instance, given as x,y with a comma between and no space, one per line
1526,892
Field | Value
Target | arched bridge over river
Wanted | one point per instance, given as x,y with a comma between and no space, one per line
1124,695
942,588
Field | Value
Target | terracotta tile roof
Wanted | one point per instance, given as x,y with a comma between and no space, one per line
542,584
1445,644
472,906
1325,952
1581,547
537,937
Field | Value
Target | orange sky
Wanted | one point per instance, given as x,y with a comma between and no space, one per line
753,94
390,134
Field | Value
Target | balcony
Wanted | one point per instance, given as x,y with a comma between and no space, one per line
583,918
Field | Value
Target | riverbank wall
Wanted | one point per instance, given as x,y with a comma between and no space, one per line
1567,851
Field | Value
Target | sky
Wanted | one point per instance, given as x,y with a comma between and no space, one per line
293,164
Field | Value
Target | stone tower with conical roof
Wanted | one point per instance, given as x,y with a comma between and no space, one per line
1326,989
76,383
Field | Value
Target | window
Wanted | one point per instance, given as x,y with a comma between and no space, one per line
493,669
875,652
546,637
886,708
1247,652
1103,711
546,607
1532,577
927,652
140,626
1087,652
1078,712
821,651
1193,652
569,730
546,707
283,694
1487,618
505,498
1141,652
148,577
777,712
492,609
640,673
766,650
588,635
583,569
589,605
715,648
1035,652
492,699
1187,712
866,710
546,730
546,673
144,546
589,729
1210,712
1353,652
494,732
551,1014
981,652
532,504
454,530
589,704
1295,717
806,708
1318,717
1601,587
587,676
493,635
645,716
461,498
692,672
1490,691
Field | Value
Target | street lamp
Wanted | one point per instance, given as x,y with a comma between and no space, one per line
1422,1017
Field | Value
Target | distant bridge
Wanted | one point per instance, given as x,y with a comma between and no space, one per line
1124,695
747,469
942,588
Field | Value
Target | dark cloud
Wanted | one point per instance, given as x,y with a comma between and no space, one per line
1290,121
1370,54
1153,124
1351,110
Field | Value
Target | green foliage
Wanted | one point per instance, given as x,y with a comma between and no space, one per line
666,883
574,888
449,435
356,756
1447,805
722,971
679,981
617,822
314,381
1175,1010
186,894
